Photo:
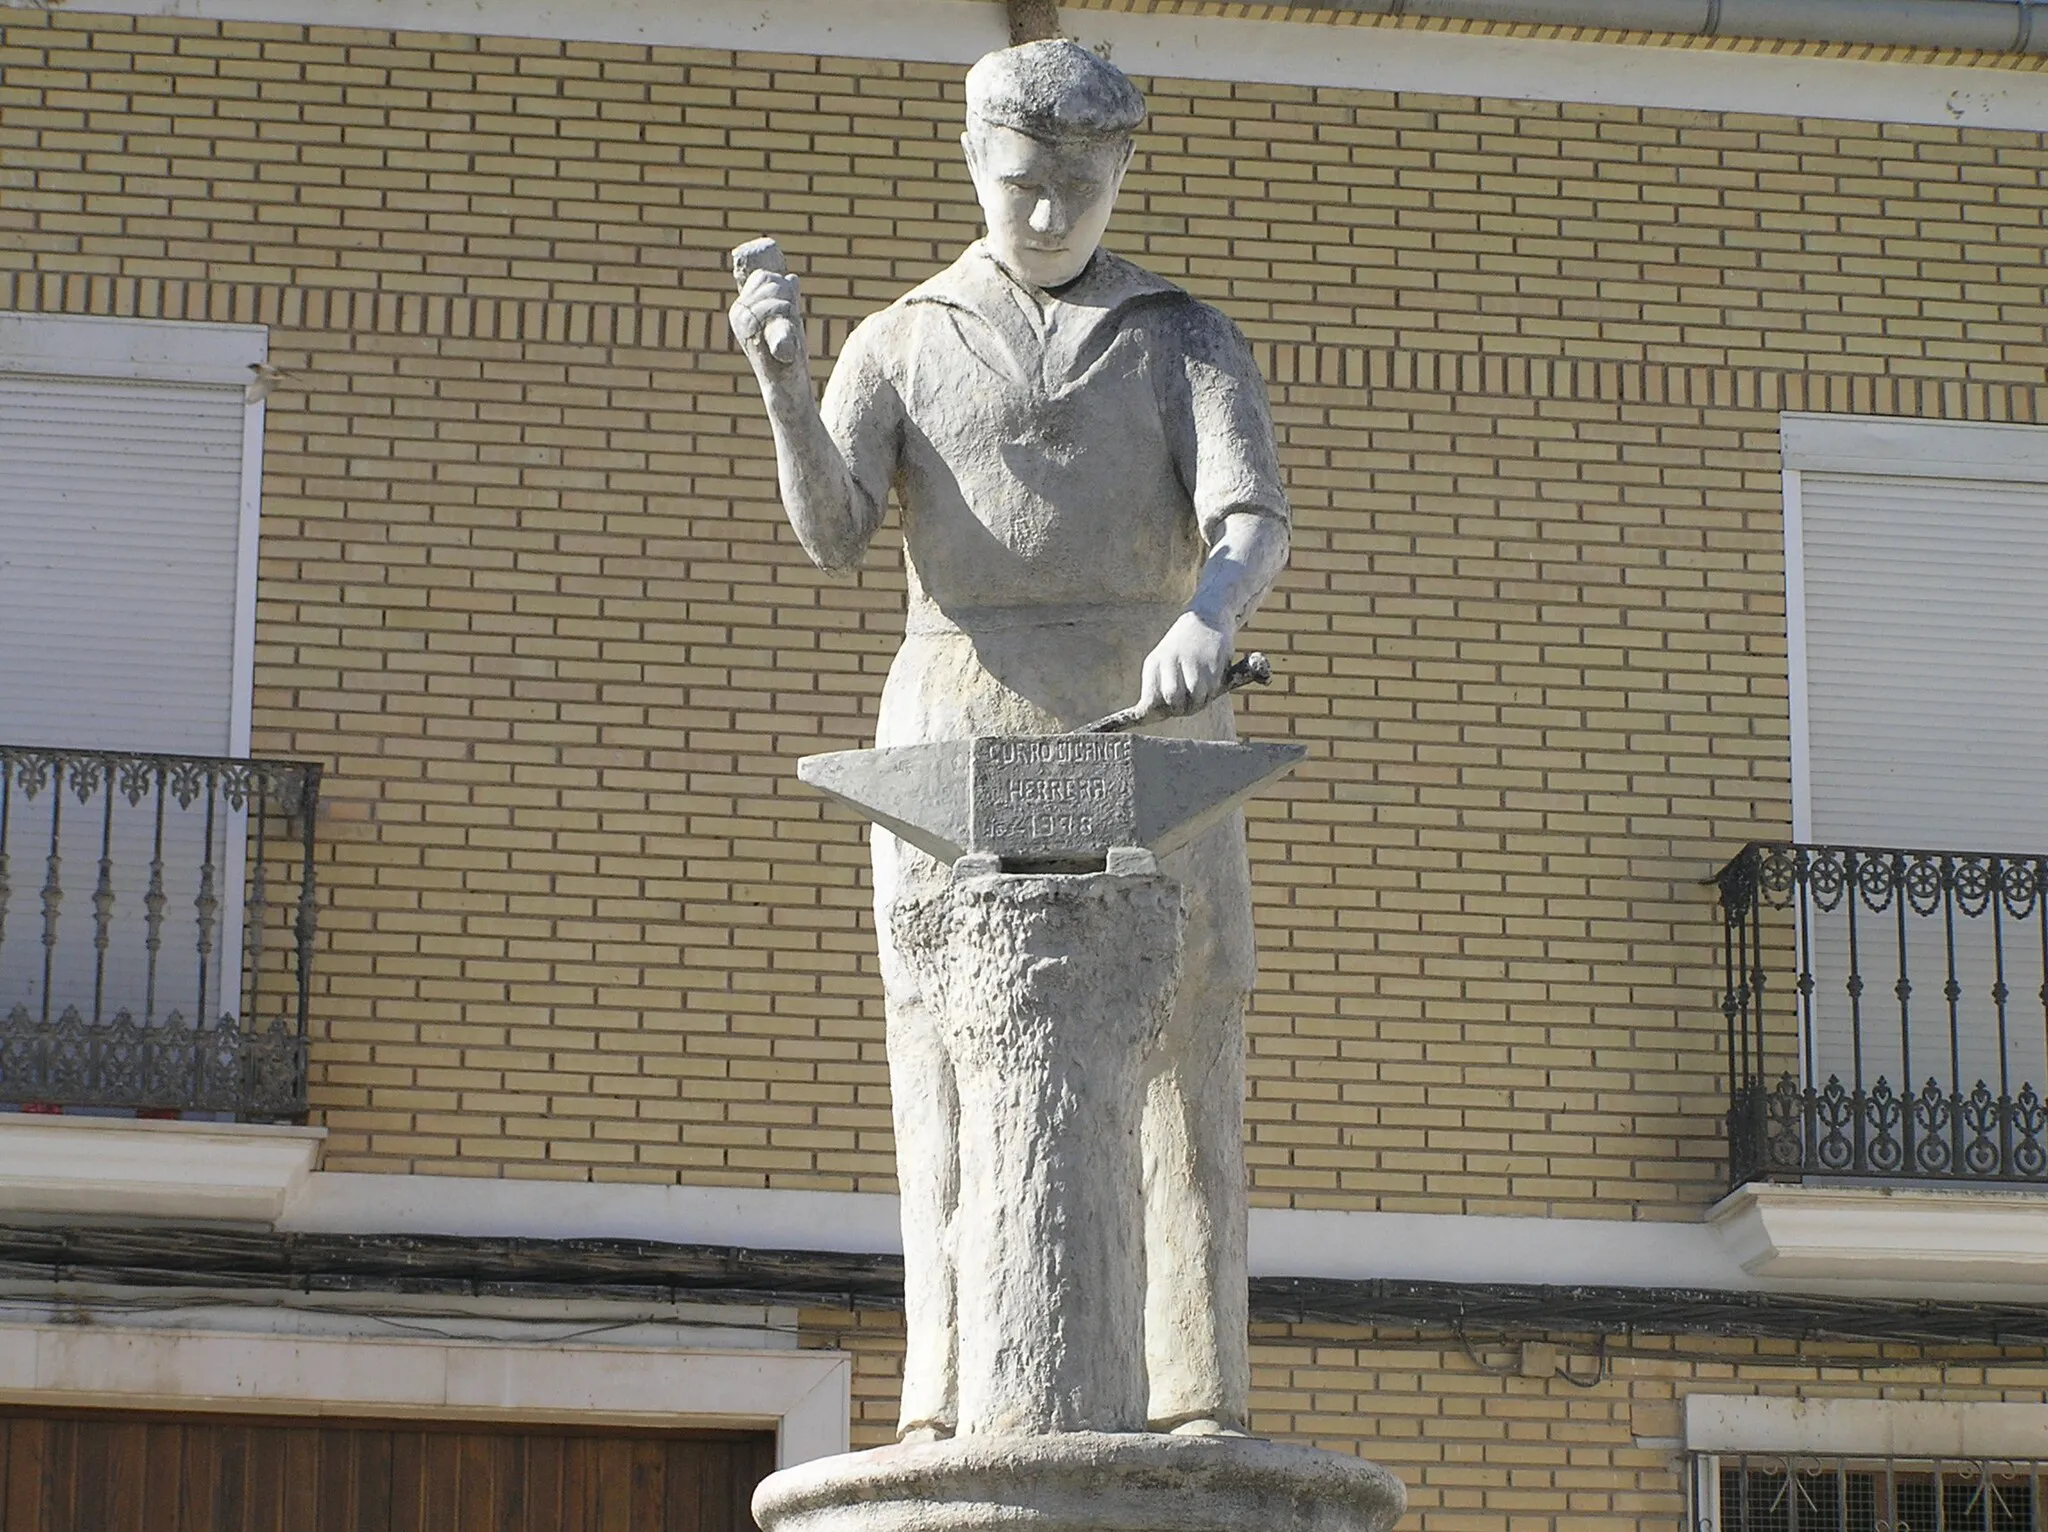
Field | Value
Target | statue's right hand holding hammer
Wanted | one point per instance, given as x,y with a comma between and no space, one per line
833,516
766,317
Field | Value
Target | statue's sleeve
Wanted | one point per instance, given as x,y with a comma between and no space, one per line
1220,428
864,413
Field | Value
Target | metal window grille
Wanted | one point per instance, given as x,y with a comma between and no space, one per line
156,932
1818,1493
1887,1014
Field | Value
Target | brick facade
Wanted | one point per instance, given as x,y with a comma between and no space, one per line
1492,1436
527,593
524,585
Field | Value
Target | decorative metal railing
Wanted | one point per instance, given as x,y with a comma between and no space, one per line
1887,1014
1824,1493
156,932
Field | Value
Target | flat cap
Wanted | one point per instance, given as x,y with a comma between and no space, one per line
1053,90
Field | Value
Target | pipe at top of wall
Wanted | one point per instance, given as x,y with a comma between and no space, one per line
1992,26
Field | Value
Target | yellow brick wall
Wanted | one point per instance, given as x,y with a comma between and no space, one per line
525,589
1492,1436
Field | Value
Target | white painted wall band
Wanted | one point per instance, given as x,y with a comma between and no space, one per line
858,1223
1866,1427
1284,1242
1932,449
132,350
1998,1246
805,1396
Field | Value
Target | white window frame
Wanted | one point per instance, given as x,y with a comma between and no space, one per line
804,1396
1749,1425
1899,1428
1876,444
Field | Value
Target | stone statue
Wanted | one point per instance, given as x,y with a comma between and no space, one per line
1092,507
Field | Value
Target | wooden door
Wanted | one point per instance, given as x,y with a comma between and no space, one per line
103,1471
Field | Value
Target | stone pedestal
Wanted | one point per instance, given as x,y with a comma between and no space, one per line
1084,1481
1051,991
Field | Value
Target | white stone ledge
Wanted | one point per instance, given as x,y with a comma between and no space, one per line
113,1167
1965,1245
1985,1247
1734,1424
1885,444
1974,1243
1491,1248
336,1202
134,350
803,1395
1284,1242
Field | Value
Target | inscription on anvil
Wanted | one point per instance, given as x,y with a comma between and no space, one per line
1048,802
1054,796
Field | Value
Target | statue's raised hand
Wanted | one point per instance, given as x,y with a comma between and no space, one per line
767,317
1186,670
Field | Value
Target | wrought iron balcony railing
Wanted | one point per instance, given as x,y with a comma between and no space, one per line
156,932
1820,1492
1887,1014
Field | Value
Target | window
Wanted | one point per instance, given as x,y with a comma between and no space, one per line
1916,556
1823,1494
128,516
1777,1464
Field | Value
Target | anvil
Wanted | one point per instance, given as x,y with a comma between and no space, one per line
1049,802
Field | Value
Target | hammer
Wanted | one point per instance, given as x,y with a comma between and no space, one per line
1253,670
765,255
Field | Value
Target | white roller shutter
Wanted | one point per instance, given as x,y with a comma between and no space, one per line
120,522
1927,661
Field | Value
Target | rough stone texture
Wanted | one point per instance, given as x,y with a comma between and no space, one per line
1052,992
921,794
1083,457
1084,1482
1053,90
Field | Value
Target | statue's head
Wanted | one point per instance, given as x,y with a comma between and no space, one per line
1048,139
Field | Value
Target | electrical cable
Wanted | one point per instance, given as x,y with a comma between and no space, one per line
1599,1368
82,1307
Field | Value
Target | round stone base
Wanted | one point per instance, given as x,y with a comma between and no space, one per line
1083,1481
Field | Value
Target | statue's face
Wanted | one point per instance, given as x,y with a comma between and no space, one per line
1046,204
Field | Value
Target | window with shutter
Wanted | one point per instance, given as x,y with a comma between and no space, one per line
128,507
1916,562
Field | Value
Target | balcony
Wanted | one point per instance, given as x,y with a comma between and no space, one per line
156,934
1887,1016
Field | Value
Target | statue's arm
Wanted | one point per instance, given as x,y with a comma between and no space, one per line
1223,445
834,464
1242,565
